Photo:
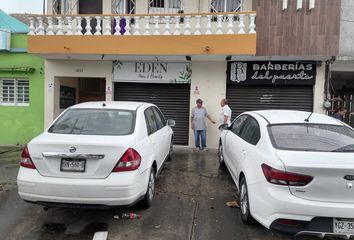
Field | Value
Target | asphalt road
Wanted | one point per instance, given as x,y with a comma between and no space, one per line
189,205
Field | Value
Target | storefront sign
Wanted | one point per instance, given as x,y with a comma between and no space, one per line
152,72
271,73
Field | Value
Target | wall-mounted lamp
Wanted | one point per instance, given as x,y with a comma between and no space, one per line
285,4
188,58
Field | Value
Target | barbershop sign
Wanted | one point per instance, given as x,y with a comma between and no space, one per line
271,73
152,72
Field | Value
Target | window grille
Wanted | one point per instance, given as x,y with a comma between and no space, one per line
14,91
165,6
123,6
225,5
64,6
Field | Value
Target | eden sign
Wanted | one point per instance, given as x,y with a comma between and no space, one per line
271,73
152,72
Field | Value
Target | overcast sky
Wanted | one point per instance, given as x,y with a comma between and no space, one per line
21,6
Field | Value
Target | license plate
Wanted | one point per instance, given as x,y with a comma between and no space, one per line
343,225
72,165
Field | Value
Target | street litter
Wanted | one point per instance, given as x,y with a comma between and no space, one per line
127,216
232,204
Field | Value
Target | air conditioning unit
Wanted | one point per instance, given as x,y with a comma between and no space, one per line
5,40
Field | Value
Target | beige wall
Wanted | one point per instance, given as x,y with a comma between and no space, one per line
319,91
210,77
55,70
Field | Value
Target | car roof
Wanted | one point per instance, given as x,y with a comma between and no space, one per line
125,105
291,116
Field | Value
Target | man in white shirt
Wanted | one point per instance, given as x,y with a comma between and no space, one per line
225,114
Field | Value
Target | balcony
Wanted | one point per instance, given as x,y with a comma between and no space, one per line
173,34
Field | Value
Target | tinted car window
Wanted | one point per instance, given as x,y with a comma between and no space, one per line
150,119
237,124
312,137
160,121
95,122
250,131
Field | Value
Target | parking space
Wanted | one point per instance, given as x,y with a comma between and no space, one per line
189,204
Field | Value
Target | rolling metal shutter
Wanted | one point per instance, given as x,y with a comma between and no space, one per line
172,99
249,98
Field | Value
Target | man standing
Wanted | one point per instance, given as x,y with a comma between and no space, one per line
225,114
199,113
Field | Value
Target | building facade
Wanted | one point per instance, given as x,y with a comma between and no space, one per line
21,85
172,52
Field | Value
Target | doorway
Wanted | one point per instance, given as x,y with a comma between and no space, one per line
92,89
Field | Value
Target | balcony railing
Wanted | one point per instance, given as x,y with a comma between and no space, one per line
149,25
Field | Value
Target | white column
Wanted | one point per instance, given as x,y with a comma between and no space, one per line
208,25
127,25
167,25
230,25
187,26
157,27
241,26
50,26
117,27
98,26
40,30
136,25
88,26
177,26
32,29
252,24
107,21
78,26
197,25
147,25
69,29
219,25
60,26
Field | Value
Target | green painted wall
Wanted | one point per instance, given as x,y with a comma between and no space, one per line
19,124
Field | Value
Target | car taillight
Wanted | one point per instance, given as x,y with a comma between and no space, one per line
279,177
128,162
26,160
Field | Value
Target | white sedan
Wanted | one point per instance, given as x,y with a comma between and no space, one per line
98,154
294,171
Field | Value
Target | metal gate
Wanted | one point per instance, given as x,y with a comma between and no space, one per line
242,98
172,99
345,99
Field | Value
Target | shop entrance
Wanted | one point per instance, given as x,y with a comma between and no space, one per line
91,89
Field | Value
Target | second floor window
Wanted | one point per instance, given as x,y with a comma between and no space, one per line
165,6
225,5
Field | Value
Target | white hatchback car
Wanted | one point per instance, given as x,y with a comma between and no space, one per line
294,170
97,154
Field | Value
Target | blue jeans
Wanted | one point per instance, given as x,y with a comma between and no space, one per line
200,136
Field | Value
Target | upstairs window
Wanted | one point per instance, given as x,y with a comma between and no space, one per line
14,91
165,6
225,5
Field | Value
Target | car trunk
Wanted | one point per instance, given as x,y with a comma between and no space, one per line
328,170
91,156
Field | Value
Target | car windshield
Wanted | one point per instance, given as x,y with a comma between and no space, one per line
95,122
312,137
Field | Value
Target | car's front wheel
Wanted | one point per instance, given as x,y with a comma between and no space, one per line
221,155
244,202
150,193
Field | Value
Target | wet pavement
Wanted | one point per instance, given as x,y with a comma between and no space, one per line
190,199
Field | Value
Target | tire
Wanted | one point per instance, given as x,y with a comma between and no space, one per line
221,155
245,203
170,153
150,192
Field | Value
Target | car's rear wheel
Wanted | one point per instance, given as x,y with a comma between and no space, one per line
150,193
221,155
170,153
244,202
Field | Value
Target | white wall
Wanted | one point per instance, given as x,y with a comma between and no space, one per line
319,90
210,77
54,69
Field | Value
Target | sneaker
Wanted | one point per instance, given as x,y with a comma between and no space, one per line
205,149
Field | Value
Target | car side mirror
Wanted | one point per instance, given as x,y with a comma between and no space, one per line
224,127
171,122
